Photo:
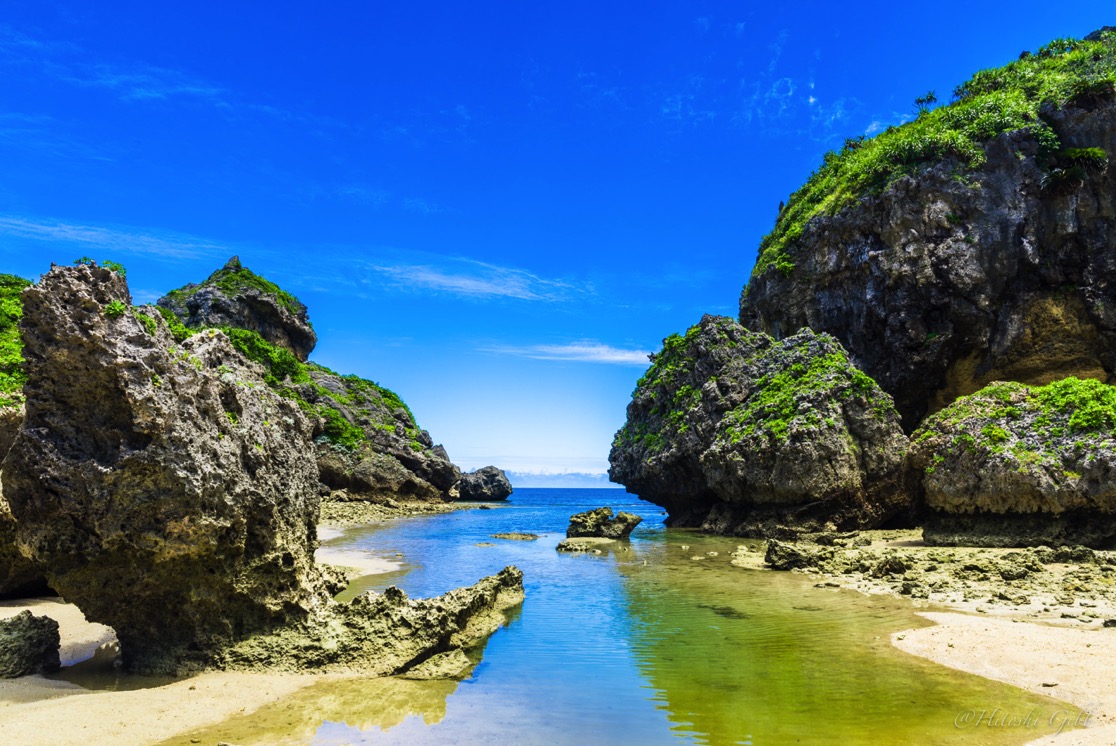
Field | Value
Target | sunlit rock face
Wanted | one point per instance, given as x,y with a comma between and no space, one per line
740,433
162,486
952,278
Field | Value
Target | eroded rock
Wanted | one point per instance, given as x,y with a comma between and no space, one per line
600,523
28,645
743,434
235,296
163,487
1018,465
488,484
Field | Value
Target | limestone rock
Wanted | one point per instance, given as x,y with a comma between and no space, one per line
19,577
236,296
600,523
385,633
488,484
952,278
369,443
1018,465
787,556
741,434
28,645
165,489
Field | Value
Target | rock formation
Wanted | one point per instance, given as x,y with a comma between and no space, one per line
385,633
367,442
28,645
235,296
487,484
1017,465
164,488
600,523
960,249
739,433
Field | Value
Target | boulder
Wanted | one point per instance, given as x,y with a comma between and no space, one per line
739,433
1019,465
28,645
960,271
165,490
235,296
788,556
19,577
488,484
600,523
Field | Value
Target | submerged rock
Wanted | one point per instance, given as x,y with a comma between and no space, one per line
1017,465
28,645
165,489
742,434
235,296
600,523
488,484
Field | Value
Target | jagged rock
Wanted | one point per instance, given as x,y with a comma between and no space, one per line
385,633
1017,465
739,433
785,556
956,276
487,484
164,488
19,577
28,645
600,523
236,296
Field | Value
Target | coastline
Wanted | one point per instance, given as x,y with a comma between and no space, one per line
1037,619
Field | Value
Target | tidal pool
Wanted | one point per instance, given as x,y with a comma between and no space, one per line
643,645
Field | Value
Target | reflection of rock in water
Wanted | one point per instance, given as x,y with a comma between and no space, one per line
732,653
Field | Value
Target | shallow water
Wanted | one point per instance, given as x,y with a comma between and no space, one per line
643,645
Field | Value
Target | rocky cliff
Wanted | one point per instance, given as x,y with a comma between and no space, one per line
367,443
740,433
976,243
163,487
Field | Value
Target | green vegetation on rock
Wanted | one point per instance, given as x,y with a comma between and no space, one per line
992,102
234,278
12,375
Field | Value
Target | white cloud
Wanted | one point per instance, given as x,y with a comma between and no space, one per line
87,238
474,279
585,352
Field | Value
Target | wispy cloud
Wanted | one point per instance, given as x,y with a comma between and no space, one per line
88,238
583,352
473,279
144,82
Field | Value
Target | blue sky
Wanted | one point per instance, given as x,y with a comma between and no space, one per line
495,209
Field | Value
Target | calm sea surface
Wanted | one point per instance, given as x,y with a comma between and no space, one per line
643,645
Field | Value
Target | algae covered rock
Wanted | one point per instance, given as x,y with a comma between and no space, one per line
488,484
740,433
601,523
28,645
972,244
165,489
235,296
1018,465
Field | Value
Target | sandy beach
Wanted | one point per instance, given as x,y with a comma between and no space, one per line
1070,664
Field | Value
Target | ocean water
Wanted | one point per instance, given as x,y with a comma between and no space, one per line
643,645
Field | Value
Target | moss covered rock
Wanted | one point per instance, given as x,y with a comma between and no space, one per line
28,645
1018,465
970,245
738,432
236,296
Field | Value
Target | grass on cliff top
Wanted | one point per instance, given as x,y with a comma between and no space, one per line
992,102
234,278
12,375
